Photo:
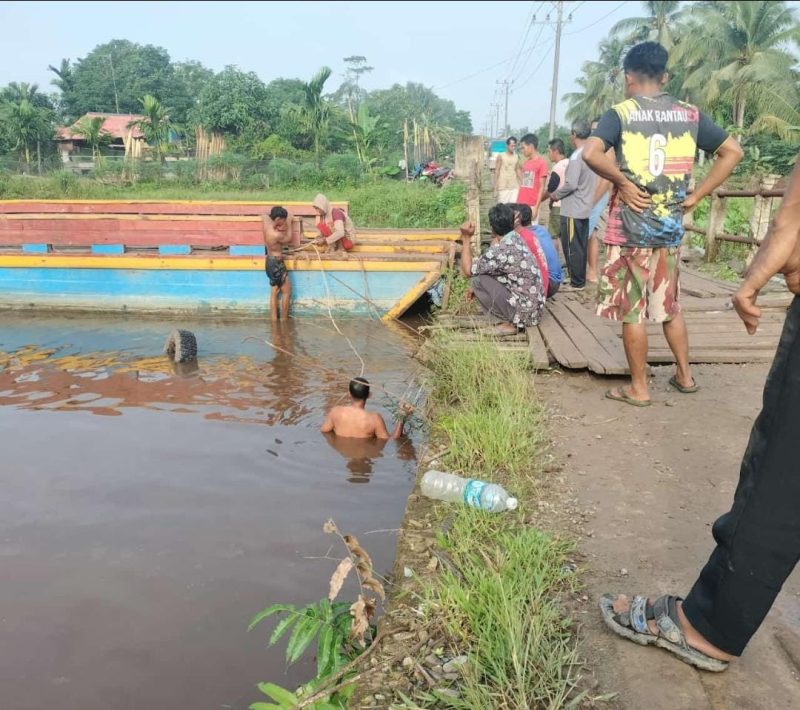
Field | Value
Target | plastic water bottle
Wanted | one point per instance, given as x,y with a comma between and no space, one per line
477,494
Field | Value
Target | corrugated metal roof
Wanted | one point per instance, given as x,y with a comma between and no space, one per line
116,125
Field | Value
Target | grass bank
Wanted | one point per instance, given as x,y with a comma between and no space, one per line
488,598
382,203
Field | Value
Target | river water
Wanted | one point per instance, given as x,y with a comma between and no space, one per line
148,512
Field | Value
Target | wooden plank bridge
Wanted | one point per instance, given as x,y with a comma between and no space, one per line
571,336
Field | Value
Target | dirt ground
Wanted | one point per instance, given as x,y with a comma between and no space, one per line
652,482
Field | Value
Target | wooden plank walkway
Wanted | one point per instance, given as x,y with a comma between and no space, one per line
571,336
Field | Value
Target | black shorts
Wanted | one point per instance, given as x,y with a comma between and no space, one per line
276,271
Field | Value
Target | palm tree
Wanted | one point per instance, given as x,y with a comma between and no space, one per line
314,114
156,126
659,25
602,82
27,125
744,60
94,134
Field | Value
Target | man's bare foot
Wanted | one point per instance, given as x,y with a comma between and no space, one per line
693,638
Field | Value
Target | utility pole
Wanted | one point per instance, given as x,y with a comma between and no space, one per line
506,85
556,56
497,120
114,81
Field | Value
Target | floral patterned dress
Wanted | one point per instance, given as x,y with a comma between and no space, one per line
511,263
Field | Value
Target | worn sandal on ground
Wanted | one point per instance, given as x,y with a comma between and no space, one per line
681,388
632,625
619,395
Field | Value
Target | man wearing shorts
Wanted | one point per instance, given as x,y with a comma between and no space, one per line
277,237
655,138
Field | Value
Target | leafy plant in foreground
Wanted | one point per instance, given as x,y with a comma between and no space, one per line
341,629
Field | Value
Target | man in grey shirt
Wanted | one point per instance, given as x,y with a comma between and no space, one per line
577,199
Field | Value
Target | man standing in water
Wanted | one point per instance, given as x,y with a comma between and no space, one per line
277,237
355,422
655,138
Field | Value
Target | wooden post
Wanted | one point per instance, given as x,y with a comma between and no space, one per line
405,144
762,214
716,225
474,204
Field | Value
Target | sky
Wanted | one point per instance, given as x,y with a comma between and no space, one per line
460,49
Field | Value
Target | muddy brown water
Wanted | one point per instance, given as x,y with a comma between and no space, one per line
147,513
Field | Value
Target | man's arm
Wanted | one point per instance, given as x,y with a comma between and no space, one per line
596,157
381,432
552,185
779,253
327,425
570,182
727,158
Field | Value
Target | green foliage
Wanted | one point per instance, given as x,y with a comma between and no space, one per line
602,82
408,205
273,146
340,170
313,113
501,607
119,73
282,172
767,155
232,103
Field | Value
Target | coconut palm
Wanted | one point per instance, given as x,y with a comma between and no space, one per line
744,60
659,25
602,82
94,134
156,126
314,113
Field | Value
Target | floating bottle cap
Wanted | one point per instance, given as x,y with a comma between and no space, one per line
511,504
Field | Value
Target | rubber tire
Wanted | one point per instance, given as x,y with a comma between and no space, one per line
181,346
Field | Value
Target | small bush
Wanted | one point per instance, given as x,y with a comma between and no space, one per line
342,169
309,174
282,172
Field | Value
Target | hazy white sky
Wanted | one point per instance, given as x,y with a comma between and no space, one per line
461,49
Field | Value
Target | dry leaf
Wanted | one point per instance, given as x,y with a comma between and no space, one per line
374,585
360,625
352,544
338,577
330,527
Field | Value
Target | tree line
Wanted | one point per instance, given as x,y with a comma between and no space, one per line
736,60
285,118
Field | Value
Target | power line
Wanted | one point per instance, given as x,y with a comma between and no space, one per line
477,73
529,24
530,51
598,21
538,66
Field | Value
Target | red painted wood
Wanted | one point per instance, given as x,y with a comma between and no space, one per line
216,208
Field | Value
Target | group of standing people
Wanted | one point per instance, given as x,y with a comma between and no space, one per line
644,148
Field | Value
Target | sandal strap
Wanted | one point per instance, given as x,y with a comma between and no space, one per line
638,614
665,612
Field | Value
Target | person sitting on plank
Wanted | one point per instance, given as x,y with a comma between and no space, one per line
506,279
277,236
354,421
336,229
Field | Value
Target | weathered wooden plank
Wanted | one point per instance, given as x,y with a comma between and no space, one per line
91,207
560,345
597,358
715,356
606,337
539,356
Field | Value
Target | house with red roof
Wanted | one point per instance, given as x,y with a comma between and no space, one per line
116,126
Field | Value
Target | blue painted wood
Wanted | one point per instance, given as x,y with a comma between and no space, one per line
173,249
36,248
246,250
199,289
108,248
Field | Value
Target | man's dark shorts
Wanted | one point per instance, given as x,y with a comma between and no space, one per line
276,271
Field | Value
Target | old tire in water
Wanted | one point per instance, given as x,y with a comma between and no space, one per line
181,346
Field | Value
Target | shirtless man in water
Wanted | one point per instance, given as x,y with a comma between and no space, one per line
353,421
277,237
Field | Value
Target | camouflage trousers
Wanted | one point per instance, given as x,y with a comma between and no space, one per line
640,284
